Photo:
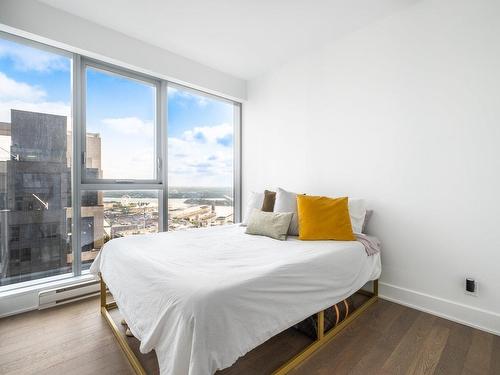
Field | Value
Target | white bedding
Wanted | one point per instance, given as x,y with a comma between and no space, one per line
202,298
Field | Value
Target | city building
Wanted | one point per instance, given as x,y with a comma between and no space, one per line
35,198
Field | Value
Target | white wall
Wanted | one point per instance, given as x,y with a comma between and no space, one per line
44,23
404,113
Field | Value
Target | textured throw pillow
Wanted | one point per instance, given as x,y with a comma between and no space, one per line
357,212
269,199
255,200
287,202
270,224
323,218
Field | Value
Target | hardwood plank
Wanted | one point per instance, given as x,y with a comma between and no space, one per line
53,353
428,356
63,330
383,345
452,358
479,354
400,359
495,357
18,325
105,359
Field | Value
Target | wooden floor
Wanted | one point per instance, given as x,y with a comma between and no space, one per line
387,339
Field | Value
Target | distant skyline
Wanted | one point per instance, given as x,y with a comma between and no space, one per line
200,132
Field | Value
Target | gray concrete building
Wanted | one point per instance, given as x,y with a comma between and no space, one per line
35,199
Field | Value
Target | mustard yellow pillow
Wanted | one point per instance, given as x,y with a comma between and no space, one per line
323,218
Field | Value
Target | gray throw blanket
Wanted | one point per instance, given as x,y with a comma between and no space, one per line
371,243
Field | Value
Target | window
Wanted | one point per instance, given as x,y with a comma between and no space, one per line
35,167
15,233
131,153
201,132
26,254
122,149
120,126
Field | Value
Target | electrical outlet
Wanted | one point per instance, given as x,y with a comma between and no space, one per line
471,286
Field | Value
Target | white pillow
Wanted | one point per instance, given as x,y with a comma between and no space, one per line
287,202
357,212
254,201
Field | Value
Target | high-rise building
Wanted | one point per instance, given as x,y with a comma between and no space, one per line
35,198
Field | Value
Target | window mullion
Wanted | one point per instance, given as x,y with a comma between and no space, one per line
237,163
78,129
163,148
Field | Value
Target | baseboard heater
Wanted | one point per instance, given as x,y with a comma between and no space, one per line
59,296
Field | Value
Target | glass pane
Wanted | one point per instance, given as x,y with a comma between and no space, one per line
120,118
110,214
35,163
200,160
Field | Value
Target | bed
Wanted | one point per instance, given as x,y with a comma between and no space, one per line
203,298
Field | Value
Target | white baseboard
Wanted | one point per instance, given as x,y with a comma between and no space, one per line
484,320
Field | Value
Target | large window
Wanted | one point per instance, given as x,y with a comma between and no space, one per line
201,132
90,152
120,124
35,162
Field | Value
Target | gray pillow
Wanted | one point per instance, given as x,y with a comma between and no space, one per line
368,215
286,201
270,224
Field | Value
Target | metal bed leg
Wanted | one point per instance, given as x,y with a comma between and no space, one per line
127,350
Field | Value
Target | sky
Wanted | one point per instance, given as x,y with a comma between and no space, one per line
122,111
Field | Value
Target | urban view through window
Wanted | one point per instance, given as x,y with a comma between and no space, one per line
36,157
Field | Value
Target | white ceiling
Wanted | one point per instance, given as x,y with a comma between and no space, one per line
244,38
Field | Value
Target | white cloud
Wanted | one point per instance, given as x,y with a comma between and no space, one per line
129,125
22,96
200,99
54,108
135,162
198,158
172,91
128,149
26,58
210,134
12,90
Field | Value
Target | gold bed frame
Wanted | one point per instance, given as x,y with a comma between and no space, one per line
322,339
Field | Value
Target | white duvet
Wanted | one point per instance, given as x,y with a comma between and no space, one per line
202,298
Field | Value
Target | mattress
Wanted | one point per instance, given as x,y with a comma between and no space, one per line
204,297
